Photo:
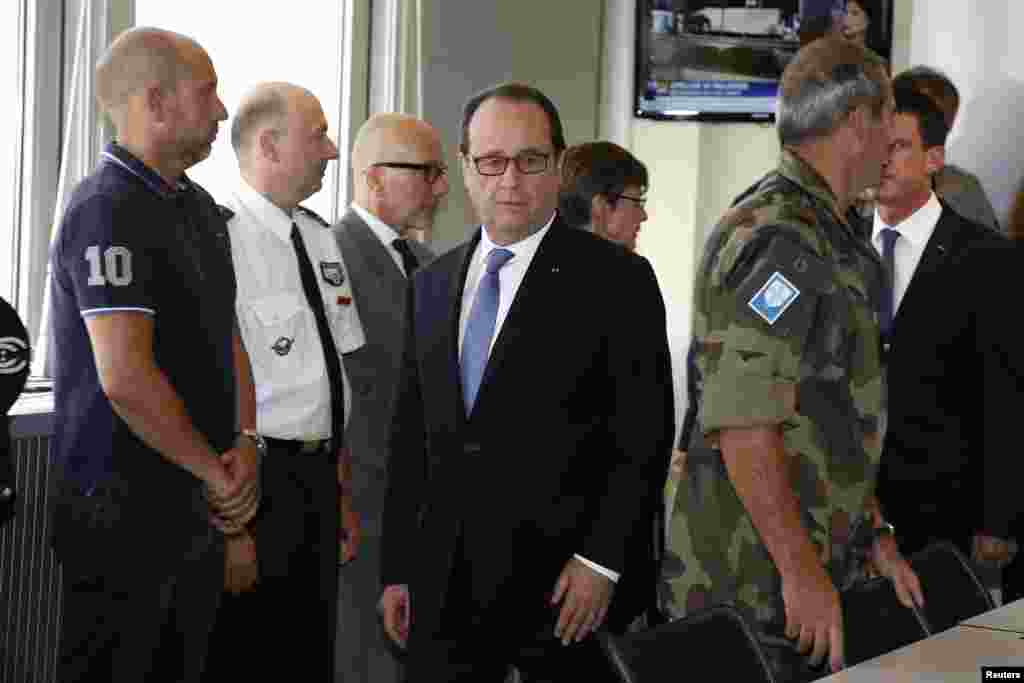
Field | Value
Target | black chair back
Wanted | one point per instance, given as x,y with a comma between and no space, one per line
952,591
875,622
14,367
716,641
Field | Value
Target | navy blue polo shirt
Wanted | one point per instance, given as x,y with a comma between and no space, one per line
129,241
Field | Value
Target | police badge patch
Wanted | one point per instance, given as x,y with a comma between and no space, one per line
282,346
333,275
774,297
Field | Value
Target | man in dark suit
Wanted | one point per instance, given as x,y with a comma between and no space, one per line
533,426
947,469
400,178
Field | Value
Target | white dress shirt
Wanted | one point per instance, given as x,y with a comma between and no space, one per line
915,231
384,232
509,278
293,395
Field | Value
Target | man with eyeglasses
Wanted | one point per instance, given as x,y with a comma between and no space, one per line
399,179
603,188
296,318
533,426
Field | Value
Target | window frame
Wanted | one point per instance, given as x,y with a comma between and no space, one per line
39,158
45,120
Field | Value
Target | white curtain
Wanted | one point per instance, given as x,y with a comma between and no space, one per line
82,139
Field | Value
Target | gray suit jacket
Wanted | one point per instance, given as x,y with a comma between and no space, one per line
380,293
962,191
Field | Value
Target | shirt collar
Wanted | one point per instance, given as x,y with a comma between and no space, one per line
117,155
524,249
271,216
384,232
803,174
916,228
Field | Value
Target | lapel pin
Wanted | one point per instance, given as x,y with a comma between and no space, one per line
554,269
344,300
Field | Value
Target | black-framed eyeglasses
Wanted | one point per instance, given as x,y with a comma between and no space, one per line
528,163
431,172
639,201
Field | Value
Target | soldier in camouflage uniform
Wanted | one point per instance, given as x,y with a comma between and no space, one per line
775,511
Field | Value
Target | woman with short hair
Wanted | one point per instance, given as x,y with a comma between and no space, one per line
603,190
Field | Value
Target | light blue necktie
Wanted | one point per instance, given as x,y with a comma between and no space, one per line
476,343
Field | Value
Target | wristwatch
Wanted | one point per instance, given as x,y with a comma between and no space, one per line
256,438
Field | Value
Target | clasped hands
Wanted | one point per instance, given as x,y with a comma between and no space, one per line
234,500
234,497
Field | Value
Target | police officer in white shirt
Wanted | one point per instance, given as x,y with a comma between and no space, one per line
297,316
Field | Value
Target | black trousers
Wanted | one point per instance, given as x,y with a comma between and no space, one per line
143,572
480,644
289,622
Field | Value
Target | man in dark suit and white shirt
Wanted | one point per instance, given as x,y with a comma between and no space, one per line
533,425
399,178
947,469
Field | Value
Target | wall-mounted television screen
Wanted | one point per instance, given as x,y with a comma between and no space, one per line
721,60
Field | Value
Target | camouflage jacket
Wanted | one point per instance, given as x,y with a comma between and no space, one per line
785,333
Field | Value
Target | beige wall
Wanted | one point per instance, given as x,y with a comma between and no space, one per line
468,46
696,170
988,69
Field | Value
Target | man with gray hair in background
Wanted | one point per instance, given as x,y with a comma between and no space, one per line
775,513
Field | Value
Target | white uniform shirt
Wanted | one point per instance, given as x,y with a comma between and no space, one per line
509,278
915,231
384,232
278,327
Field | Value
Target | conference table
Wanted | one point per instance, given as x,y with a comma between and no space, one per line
992,639
1006,618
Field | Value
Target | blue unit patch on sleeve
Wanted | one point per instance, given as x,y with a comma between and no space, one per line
774,297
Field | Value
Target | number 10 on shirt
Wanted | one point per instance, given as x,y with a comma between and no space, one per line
115,267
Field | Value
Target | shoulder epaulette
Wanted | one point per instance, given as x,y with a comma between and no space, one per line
314,215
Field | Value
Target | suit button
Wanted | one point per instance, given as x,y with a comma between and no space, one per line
365,388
